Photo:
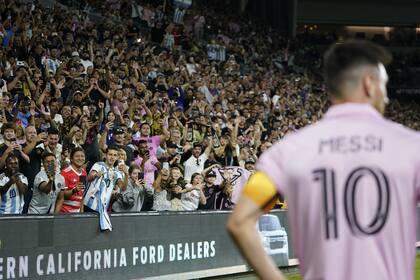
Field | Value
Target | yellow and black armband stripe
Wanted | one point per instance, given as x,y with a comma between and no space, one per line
261,190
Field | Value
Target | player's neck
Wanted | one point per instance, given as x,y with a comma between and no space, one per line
349,98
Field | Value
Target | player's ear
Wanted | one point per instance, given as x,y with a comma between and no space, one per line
368,84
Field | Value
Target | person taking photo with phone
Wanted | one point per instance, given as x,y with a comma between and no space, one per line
8,131
132,199
147,161
48,184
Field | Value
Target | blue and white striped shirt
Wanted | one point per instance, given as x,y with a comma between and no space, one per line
179,16
12,201
102,186
100,190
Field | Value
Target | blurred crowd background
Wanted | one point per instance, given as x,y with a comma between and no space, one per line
188,97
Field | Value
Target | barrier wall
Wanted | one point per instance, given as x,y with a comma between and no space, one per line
142,245
178,245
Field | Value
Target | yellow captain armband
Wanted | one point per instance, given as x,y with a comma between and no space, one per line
261,190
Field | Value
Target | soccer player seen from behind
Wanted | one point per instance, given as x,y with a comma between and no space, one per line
351,181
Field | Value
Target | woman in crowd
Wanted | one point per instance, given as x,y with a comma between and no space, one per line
176,187
132,199
161,201
193,194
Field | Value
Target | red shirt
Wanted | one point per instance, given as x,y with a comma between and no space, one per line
71,180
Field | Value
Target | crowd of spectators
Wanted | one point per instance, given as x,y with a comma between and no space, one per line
124,97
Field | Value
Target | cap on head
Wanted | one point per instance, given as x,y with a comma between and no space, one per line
171,145
211,173
118,130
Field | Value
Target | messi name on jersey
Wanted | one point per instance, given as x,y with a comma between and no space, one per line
350,144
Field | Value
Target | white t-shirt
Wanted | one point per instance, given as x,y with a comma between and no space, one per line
57,152
193,165
43,203
58,119
86,64
190,200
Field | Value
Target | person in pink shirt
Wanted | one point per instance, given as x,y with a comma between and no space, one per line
147,161
352,181
153,142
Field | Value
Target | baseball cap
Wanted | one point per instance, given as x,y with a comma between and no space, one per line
211,173
118,130
75,53
20,64
171,145
26,100
249,161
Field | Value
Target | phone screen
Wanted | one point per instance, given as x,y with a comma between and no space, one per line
50,168
141,175
82,179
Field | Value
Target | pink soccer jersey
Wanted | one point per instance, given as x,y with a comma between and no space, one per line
351,182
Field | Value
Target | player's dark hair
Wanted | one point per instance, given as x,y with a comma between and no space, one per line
342,57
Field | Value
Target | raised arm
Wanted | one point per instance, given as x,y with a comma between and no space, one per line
102,142
242,229
209,147
123,183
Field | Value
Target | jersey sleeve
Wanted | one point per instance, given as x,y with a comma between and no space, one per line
417,181
261,190
24,179
119,175
96,167
66,179
61,183
38,180
272,164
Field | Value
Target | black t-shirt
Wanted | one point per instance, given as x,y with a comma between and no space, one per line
132,29
157,34
227,158
9,116
209,192
33,167
3,148
96,96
